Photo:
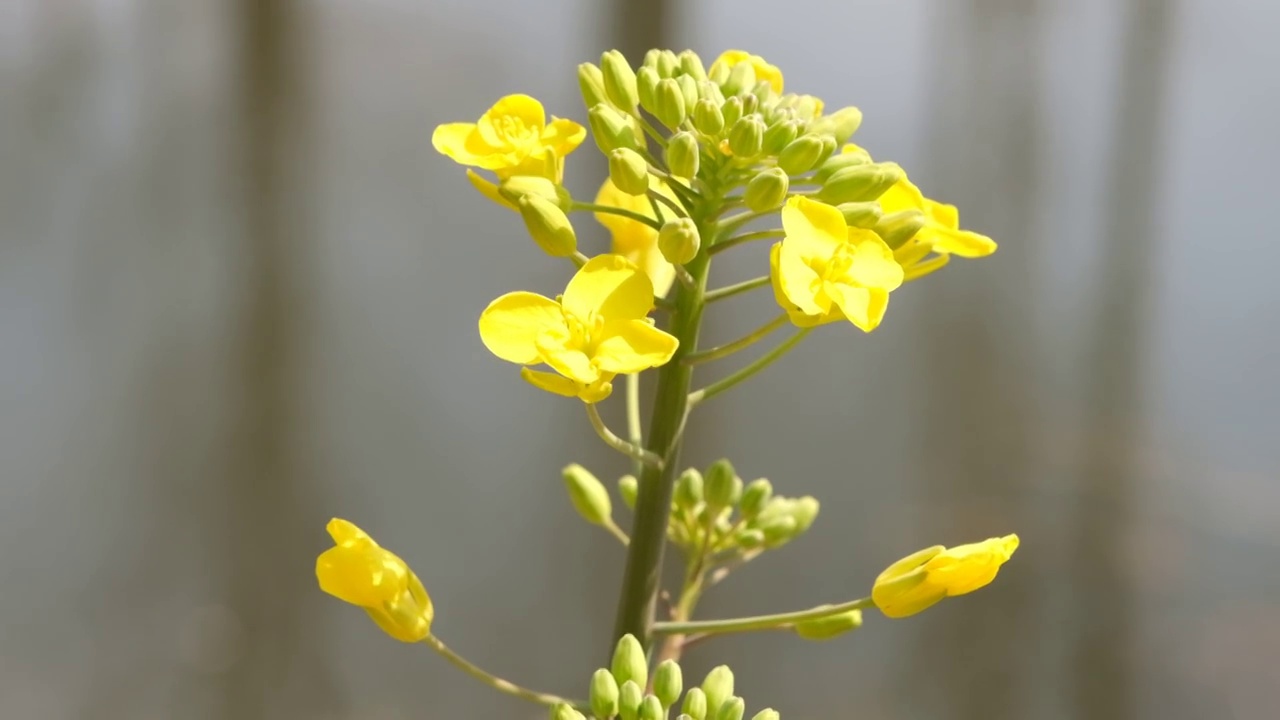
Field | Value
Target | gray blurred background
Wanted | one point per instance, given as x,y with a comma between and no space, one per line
238,295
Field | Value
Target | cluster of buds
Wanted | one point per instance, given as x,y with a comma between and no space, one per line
717,512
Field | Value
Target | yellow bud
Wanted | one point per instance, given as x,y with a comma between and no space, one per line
630,662
897,228
651,709
707,117
588,495
647,88
742,77
778,136
669,99
830,626
731,110
845,122
755,497
719,73
681,155
924,578
735,707
611,129
861,214
808,106
603,696
718,687
688,88
651,59
691,65
801,155
517,186
628,488
746,136
628,171
548,225
767,190
591,83
630,695
668,682
860,182
619,80
695,704
678,241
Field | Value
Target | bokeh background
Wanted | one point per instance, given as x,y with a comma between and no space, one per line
238,294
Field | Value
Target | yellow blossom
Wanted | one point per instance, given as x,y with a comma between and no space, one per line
597,329
764,71
360,572
924,578
633,239
824,271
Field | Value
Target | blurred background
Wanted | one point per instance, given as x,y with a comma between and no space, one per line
238,295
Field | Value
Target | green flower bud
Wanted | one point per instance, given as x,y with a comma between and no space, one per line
732,709
778,531
731,110
682,155
764,92
767,190
691,65
844,123
719,485
778,136
688,88
860,182
678,241
805,511
718,687
742,77
767,714
711,91
588,495
647,88
591,82
629,662
808,106
897,228
628,171
829,145
801,155
667,63
619,80
611,129
707,117
861,214
669,99
628,488
746,136
749,539
688,491
651,709
836,163
668,682
754,499
750,103
830,626
651,59
565,711
548,225
719,73
604,694
695,704
629,698
517,186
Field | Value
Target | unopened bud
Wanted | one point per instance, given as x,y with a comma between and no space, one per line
682,155
688,88
778,136
836,163
707,117
766,714
750,104
691,65
749,539
718,484
695,704
860,182
591,83
805,511
731,109
844,123
619,80
667,63
897,228
801,155
678,241
718,687
746,136
603,696
628,171
742,77
668,682
548,225
808,106
588,495
861,214
628,488
565,711
647,88
830,626
517,186
651,709
764,92
754,498
629,698
732,709
629,662
719,73
688,490
651,59
669,99
711,91
611,129
767,190
778,531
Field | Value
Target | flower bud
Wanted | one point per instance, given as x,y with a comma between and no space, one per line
548,225
767,190
651,709
764,92
719,484
669,99
749,539
742,77
619,80
647,88
629,661
836,163
732,709
861,214
767,714
731,110
718,687
860,182
565,711
754,498
897,228
629,698
778,531
808,106
517,186
750,104
805,511
778,136
681,155
588,495
719,73
695,704
628,488
746,136
688,88
801,155
667,63
678,241
668,682
830,626
711,91
844,123
707,117
829,145
628,171
688,490
611,129
591,83
691,65
651,59
604,694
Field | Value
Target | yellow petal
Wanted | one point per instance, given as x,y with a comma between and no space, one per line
909,563
924,267
873,264
570,362
958,242
611,286
596,391
451,140
629,346
488,189
347,534
563,136
797,281
864,307
519,111
764,71
365,576
904,195
814,230
550,382
965,568
510,326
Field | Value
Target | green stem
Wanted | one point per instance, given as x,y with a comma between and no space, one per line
736,288
761,363
650,130
758,622
745,238
616,531
732,223
494,682
635,452
675,206
633,418
745,341
611,210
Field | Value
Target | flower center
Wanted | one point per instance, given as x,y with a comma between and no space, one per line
515,131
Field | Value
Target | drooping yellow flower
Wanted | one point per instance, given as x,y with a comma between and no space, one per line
824,271
512,138
764,71
922,579
597,329
360,572
633,239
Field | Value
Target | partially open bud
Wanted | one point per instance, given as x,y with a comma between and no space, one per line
629,698
604,694
861,214
897,228
669,100
591,83
733,708
619,80
695,704
691,65
718,687
668,682
548,225
719,484
800,156
565,711
688,490
517,186
707,117
611,129
830,626
778,136
678,241
628,488
682,155
588,495
647,88
628,171
629,662
767,190
754,498
746,136
860,182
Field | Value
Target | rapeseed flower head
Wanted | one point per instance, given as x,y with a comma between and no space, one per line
358,571
922,579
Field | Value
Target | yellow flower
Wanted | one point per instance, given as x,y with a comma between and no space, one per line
633,239
357,571
512,138
941,232
924,578
825,271
764,71
597,329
